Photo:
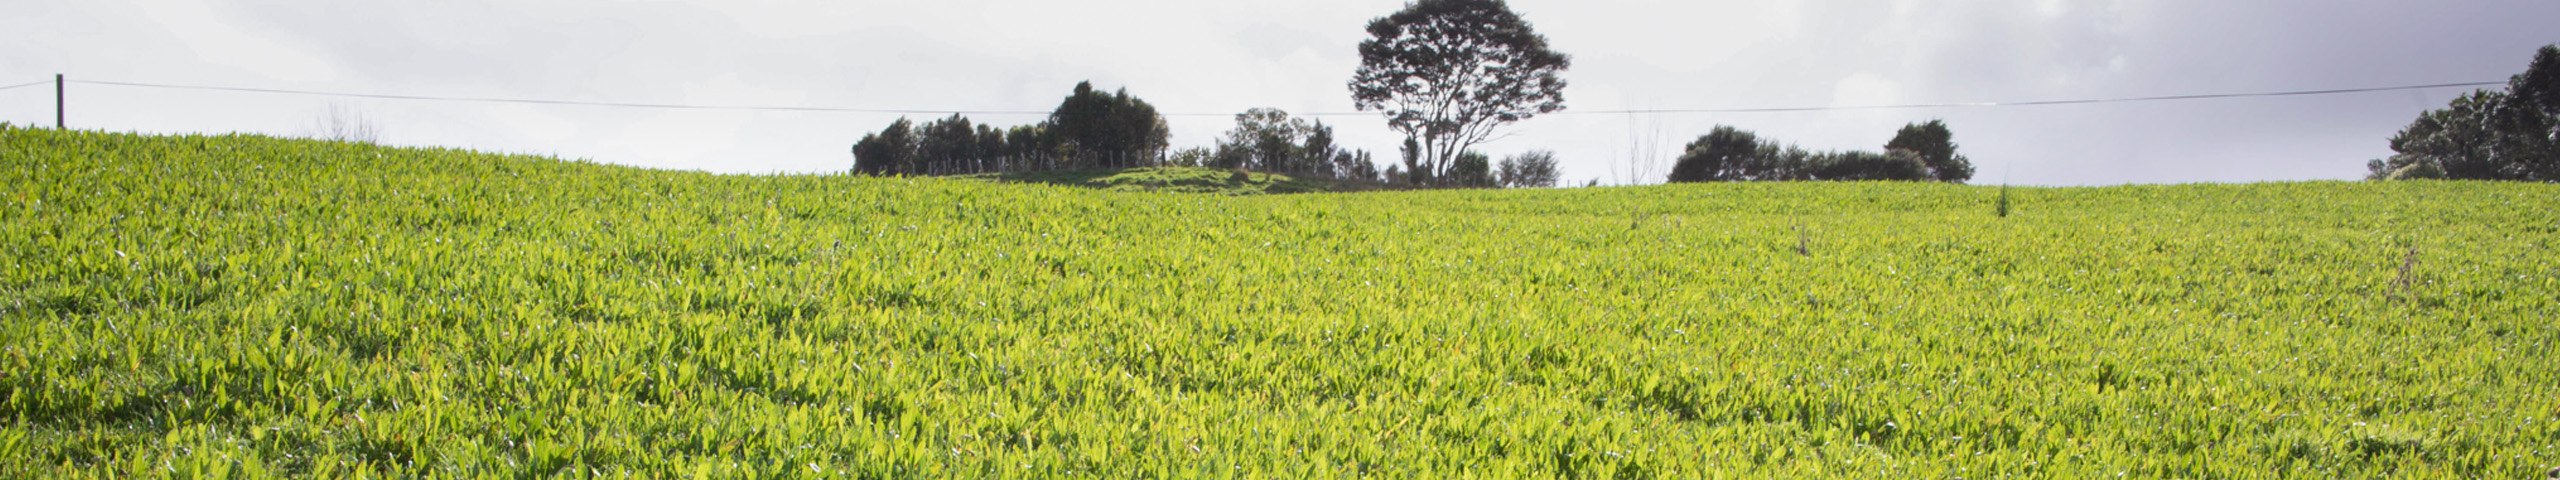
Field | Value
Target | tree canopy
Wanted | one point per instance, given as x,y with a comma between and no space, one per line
2486,134
1936,147
1471,170
1532,169
1722,155
1448,73
1266,139
1728,154
890,152
1111,130
1269,140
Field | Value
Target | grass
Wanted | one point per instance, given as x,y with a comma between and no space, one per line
1185,180
217,306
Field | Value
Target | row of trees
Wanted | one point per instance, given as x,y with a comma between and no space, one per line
1448,73
1269,140
1129,133
2486,134
1919,152
1089,129
1532,169
1445,73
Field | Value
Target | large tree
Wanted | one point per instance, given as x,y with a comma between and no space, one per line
890,152
1936,147
1471,170
1725,154
1108,130
2455,140
2530,121
1448,73
2487,134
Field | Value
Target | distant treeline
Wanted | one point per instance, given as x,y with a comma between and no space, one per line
1446,73
1268,140
1919,152
1088,130
1092,130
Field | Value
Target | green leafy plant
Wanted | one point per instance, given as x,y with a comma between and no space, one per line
2001,206
244,306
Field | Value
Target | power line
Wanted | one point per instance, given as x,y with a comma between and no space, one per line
547,102
2288,93
2066,102
28,84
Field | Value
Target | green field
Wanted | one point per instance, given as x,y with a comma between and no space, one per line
212,306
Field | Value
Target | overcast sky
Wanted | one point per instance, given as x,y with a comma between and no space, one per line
1222,57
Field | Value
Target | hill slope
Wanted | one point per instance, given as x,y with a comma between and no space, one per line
287,307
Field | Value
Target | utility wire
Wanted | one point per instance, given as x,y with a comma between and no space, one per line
29,84
1317,114
2066,102
547,102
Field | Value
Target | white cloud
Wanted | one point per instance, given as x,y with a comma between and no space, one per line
1865,89
225,44
533,122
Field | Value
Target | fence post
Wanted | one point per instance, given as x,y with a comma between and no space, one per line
57,101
